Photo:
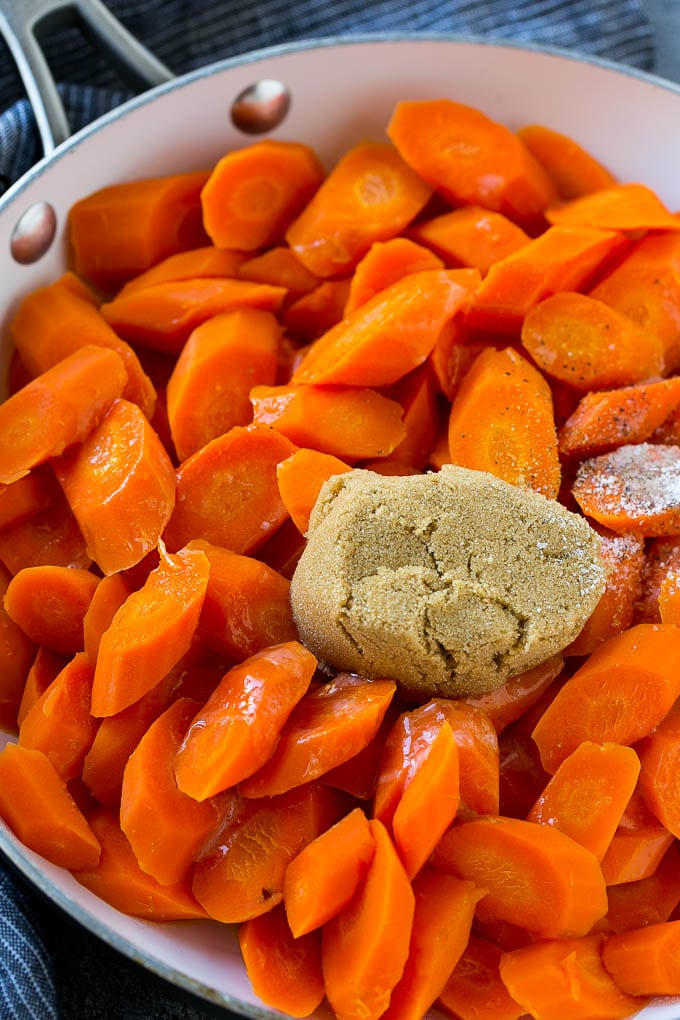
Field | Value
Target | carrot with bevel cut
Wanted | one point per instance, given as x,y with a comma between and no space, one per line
444,910
633,488
587,795
583,342
313,314
384,263
635,854
534,875
659,757
285,972
573,170
471,159
300,478
107,598
351,422
51,537
60,318
242,875
36,804
45,668
163,315
391,333
143,222
501,421
57,409
322,879
188,265
60,724
118,880
247,604
620,694
26,497
650,900
508,703
370,195
645,961
471,236
565,978
628,206
151,631
17,653
280,267
208,391
327,727
474,990
365,948
237,729
227,493
49,604
120,484
166,828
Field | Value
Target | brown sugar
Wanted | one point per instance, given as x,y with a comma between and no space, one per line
449,583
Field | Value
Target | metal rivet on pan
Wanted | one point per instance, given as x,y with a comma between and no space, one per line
261,106
33,233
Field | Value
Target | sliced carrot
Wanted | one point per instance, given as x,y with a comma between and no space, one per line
650,900
280,267
629,206
300,478
57,409
659,755
49,604
417,394
45,668
662,556
311,315
471,236
573,170
50,537
384,263
221,361
322,879
645,961
358,775
474,990
150,632
370,195
26,497
521,775
508,703
37,806
227,493
365,948
501,421
187,265
620,694
635,854
534,875
17,653
108,597
326,728
453,354
669,598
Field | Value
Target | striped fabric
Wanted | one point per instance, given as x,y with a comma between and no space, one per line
79,979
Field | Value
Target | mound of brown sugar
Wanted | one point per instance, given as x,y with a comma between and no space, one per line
449,583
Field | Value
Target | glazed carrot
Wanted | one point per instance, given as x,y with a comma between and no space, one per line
322,879
588,793
120,484
163,316
521,775
573,170
142,221
633,488
561,258
471,159
119,881
17,653
254,193
60,723
452,356
645,961
501,421
187,265
384,263
285,972
417,394
635,854
280,267
49,604
313,314
26,497
628,206
221,361
227,492
350,422
474,990
444,910
662,556
246,606
57,409
651,900
365,948
370,195
107,598
622,691
300,477
471,236
508,703
669,598
45,668
565,978
242,875
327,727
659,760
51,536
37,806
60,318
150,632
391,333
358,775
534,875
237,729
581,341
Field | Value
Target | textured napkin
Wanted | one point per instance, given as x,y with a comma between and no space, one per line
49,967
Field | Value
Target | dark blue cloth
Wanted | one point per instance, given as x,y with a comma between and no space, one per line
49,967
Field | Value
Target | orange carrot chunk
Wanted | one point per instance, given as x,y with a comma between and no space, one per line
108,597
49,604
280,267
508,703
384,263
17,653
51,537
651,900
300,478
45,668
26,497
629,206
474,990
573,170
659,756
645,961
471,236
188,265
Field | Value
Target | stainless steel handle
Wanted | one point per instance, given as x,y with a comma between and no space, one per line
19,21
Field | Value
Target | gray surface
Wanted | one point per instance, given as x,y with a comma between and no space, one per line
665,17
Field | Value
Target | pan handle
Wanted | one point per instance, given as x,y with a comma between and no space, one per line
19,22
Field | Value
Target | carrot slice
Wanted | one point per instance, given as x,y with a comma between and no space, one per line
187,265
651,900
662,557
471,236
45,668
384,263
365,948
635,854
573,170
26,497
300,478
108,597
280,267
49,604
417,394
36,804
659,756
151,631
57,409
475,990
645,961
628,206
313,314
508,703
51,537
17,653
